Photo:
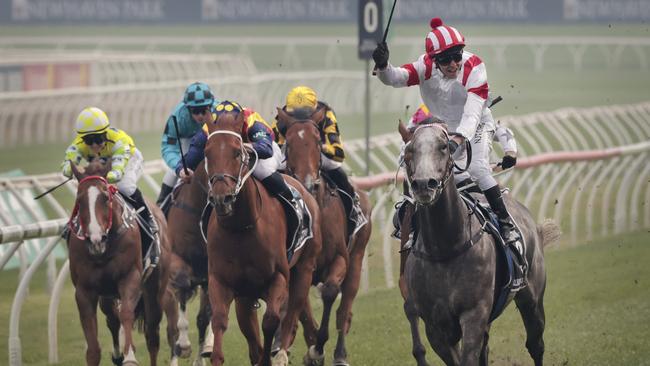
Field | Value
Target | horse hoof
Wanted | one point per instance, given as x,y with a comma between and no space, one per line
313,358
182,352
117,361
280,359
207,352
340,362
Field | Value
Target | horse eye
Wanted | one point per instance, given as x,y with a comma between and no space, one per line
237,153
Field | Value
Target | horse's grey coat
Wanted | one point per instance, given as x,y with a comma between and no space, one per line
454,297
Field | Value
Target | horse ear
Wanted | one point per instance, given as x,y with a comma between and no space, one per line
76,171
284,116
404,132
318,115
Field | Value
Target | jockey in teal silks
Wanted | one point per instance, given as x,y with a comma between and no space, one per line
197,98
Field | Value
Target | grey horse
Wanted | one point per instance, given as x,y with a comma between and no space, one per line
450,273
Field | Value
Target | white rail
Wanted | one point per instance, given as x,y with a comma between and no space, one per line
611,49
589,198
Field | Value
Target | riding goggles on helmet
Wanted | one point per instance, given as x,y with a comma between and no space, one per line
96,138
199,110
447,58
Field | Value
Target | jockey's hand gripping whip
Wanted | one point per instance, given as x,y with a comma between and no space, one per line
390,18
180,146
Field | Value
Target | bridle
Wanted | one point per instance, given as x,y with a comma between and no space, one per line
317,182
440,186
242,175
75,212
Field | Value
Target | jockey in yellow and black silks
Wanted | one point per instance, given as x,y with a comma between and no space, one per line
301,103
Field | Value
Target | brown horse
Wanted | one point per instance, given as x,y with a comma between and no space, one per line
106,267
451,272
247,254
189,262
338,267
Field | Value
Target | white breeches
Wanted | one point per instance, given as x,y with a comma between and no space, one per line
132,172
328,164
266,167
479,169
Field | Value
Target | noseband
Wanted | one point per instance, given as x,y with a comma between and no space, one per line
241,177
75,212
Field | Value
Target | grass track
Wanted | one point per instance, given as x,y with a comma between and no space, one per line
596,307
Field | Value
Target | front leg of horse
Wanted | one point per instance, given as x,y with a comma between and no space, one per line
474,328
154,299
109,308
349,290
206,337
130,294
220,299
87,305
249,326
329,291
418,350
277,294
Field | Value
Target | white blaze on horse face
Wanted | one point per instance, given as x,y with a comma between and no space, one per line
94,229
424,159
301,134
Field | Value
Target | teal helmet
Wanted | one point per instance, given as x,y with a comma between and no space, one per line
198,95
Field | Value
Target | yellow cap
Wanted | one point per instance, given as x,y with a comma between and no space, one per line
91,120
301,97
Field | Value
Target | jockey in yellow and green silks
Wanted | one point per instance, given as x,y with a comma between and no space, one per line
96,139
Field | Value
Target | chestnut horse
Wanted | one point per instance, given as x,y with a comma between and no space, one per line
338,267
451,270
106,267
189,262
247,254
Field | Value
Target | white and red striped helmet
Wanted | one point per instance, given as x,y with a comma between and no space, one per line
442,38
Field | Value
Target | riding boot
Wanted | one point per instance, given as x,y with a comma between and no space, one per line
510,235
279,188
353,211
164,198
152,226
165,190
405,209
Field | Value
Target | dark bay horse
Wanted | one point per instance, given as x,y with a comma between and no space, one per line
106,268
338,268
451,270
189,262
247,254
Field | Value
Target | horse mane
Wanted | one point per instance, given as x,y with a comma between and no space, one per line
99,167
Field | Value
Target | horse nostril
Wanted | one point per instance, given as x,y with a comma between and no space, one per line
228,199
212,200
104,238
432,184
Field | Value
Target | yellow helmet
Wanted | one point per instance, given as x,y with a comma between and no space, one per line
301,97
91,120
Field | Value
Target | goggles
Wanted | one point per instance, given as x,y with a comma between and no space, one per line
199,110
446,59
94,139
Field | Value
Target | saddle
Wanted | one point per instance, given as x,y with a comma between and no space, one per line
505,255
147,237
354,215
299,228
299,224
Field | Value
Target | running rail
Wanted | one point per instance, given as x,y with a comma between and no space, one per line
585,168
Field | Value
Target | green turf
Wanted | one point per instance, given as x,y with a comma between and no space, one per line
596,313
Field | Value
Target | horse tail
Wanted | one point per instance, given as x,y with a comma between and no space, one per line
139,315
550,232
